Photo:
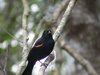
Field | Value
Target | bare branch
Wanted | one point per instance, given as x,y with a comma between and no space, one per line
25,14
61,26
2,68
59,7
53,19
19,41
58,10
85,63
4,64
6,59
25,38
64,20
58,60
45,64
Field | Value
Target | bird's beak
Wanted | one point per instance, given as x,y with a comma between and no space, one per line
49,32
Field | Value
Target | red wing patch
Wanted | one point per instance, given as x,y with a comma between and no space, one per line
39,45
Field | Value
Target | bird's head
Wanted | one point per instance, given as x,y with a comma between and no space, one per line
47,34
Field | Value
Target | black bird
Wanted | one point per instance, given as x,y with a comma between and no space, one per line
42,48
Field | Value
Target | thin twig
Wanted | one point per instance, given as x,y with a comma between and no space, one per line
21,42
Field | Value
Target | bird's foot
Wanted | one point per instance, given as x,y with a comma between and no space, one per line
43,64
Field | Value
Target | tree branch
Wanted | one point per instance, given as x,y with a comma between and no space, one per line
61,26
85,63
58,10
25,38
45,64
64,20
3,64
52,20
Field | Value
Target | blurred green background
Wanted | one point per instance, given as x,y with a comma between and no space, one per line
82,32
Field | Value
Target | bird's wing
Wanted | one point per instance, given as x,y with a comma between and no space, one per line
39,42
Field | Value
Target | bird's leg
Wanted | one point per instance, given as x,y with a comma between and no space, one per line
40,62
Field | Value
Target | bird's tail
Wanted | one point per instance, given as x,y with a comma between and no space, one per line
28,70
